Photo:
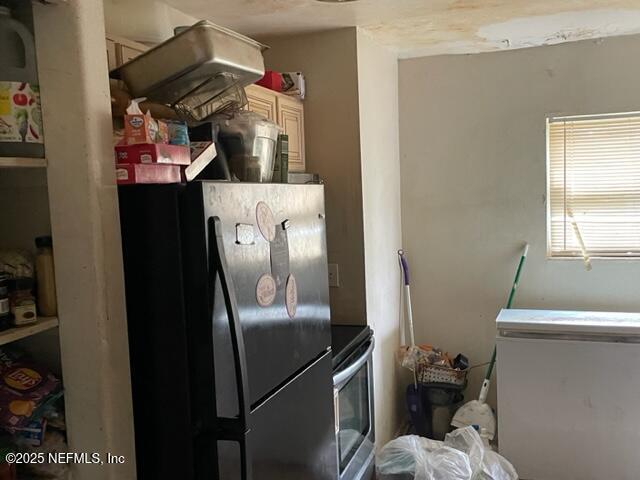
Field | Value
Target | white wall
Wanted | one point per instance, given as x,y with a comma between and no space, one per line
472,136
332,139
380,160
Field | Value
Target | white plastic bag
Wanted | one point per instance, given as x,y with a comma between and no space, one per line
447,463
468,441
496,467
414,458
462,456
485,463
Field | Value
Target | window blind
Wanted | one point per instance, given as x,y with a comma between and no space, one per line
594,182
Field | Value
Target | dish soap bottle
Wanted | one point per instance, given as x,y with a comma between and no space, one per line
45,276
21,132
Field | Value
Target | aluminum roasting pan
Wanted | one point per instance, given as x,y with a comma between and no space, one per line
171,71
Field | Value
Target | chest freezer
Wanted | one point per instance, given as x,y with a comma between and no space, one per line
569,394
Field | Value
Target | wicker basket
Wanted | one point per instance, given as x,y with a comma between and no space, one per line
428,373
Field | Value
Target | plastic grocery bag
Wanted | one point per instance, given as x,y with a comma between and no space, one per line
415,458
468,441
485,463
462,456
496,467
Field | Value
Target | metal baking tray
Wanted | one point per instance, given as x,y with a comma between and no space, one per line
202,61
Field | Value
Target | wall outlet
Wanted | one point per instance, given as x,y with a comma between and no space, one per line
334,275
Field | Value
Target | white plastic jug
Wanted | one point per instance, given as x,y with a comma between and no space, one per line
21,133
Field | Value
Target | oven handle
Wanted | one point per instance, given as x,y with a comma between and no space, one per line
341,377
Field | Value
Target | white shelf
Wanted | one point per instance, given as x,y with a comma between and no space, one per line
18,333
22,162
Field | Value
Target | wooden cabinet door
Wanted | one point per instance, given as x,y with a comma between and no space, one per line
126,53
262,101
112,60
291,119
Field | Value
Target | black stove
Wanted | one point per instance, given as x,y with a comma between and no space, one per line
347,338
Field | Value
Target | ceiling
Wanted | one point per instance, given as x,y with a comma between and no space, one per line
430,27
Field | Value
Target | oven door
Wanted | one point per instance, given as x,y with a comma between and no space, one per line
355,433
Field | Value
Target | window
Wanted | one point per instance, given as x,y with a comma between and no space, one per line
594,185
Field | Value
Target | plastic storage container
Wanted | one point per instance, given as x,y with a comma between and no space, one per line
21,133
249,141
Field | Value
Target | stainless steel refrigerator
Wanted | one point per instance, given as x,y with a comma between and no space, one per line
229,331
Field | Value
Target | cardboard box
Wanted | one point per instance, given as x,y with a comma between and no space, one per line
202,154
141,128
136,173
153,153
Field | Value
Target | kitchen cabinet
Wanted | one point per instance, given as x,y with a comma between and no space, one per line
121,50
286,111
262,101
291,119
126,53
111,54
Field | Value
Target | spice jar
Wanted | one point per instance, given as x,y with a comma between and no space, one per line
22,301
45,277
5,311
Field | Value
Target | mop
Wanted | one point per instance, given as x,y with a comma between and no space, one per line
478,413
419,417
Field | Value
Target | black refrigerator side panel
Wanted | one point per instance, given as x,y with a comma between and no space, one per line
151,244
199,295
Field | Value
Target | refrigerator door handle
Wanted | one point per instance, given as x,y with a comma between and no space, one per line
232,429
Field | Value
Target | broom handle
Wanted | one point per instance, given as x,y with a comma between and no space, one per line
404,266
407,291
514,287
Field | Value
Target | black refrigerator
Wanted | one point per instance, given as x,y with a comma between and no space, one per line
229,331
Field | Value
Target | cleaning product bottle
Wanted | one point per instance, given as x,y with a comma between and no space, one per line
21,132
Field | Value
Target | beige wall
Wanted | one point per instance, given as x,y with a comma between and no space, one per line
332,137
351,128
149,21
472,135
378,96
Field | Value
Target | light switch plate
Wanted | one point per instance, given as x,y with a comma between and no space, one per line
334,275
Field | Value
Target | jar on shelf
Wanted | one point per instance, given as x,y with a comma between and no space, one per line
22,302
45,277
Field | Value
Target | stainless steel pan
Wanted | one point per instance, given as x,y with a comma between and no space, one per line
190,70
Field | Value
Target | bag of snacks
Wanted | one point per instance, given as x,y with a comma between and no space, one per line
25,387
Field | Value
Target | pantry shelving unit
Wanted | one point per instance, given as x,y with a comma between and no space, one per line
19,333
22,162
72,194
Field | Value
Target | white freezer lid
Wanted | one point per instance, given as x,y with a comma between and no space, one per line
561,321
